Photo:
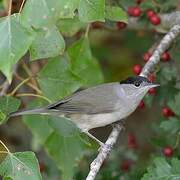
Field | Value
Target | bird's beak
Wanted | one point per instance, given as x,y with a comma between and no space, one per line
152,85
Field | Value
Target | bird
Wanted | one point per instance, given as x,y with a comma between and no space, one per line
98,106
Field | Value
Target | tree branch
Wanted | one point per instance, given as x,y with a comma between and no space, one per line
155,58
163,46
104,152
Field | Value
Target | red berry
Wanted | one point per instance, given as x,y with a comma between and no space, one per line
141,105
130,11
167,112
168,151
121,25
126,165
97,25
165,57
132,143
155,19
42,167
151,77
134,11
150,13
139,1
152,91
137,69
146,56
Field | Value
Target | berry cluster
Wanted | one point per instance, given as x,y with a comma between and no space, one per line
153,17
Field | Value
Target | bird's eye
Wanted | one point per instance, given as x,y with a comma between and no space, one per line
137,84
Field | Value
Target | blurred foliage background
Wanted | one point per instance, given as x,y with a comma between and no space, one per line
151,136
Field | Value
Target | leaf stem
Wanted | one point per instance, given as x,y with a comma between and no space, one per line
5,146
29,84
87,30
34,95
9,7
18,86
4,152
29,73
22,4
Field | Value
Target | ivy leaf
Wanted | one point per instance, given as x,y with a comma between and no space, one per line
48,43
69,27
115,13
20,166
171,126
161,169
65,151
91,10
8,104
38,124
57,80
174,105
84,64
15,41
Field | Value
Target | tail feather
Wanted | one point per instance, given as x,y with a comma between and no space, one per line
29,111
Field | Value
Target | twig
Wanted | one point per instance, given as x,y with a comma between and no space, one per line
29,73
6,84
22,4
9,7
87,30
28,83
5,87
18,86
4,146
155,58
34,95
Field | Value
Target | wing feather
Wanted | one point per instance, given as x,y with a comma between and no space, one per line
99,99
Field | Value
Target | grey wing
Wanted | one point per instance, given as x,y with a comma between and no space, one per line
99,99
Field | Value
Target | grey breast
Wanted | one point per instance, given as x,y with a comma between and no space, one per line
94,100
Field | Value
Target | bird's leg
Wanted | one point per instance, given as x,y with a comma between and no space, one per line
91,136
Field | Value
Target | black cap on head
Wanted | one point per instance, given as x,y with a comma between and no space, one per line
134,80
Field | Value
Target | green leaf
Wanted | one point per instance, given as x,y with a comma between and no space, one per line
167,73
15,41
84,64
67,8
175,165
44,13
69,27
172,125
115,13
7,105
65,151
20,166
91,10
175,104
48,43
63,126
161,169
57,80
38,124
